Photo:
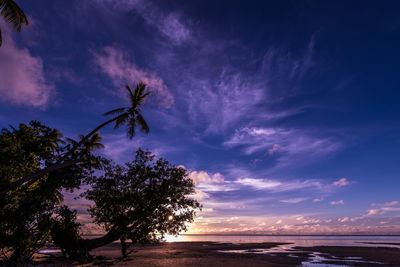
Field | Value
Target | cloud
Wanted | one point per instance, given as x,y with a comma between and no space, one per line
200,195
295,146
121,70
339,202
294,200
374,212
341,182
221,102
277,186
317,199
275,149
22,77
170,24
388,204
393,203
202,177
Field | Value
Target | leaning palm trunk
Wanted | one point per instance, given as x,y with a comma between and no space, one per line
131,114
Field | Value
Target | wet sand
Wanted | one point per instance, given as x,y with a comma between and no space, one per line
383,256
208,254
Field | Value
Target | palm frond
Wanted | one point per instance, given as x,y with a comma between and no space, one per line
119,121
94,142
143,124
130,128
13,14
114,111
141,86
143,97
71,141
129,90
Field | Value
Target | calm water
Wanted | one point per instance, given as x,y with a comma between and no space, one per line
315,259
297,240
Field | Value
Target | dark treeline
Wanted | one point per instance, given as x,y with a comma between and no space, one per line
138,202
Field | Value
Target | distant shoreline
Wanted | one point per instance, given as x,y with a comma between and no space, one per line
287,235
271,235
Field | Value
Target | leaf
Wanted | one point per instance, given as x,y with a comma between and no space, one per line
114,111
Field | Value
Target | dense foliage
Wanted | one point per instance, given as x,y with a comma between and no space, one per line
141,202
26,209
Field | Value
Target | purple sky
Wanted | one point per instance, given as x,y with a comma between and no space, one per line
285,113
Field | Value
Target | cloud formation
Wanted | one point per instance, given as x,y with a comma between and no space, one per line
374,212
121,70
339,202
290,145
388,204
341,182
22,77
170,24
202,177
294,200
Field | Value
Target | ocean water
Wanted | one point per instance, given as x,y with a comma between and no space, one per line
306,241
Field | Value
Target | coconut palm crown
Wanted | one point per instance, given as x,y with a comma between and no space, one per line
132,115
13,14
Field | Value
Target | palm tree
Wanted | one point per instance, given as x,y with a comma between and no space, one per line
92,144
13,14
131,115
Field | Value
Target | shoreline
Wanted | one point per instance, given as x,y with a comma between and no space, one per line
230,254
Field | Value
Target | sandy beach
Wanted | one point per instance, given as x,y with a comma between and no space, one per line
217,254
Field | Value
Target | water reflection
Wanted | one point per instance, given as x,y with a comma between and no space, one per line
306,241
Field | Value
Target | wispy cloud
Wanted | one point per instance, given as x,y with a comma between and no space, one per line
294,200
23,81
116,63
201,177
341,182
291,143
169,24
278,186
392,203
339,202
374,212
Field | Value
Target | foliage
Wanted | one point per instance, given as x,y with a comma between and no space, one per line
65,231
26,210
13,14
141,201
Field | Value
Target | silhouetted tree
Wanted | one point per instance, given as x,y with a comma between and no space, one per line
140,202
26,210
13,14
131,116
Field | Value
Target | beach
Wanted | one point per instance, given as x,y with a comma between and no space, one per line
230,254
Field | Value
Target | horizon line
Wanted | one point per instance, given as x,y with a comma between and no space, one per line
290,234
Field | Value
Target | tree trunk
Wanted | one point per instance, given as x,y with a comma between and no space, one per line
124,247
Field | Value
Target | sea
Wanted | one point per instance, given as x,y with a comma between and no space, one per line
298,240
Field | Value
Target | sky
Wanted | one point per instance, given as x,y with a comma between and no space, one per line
285,113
